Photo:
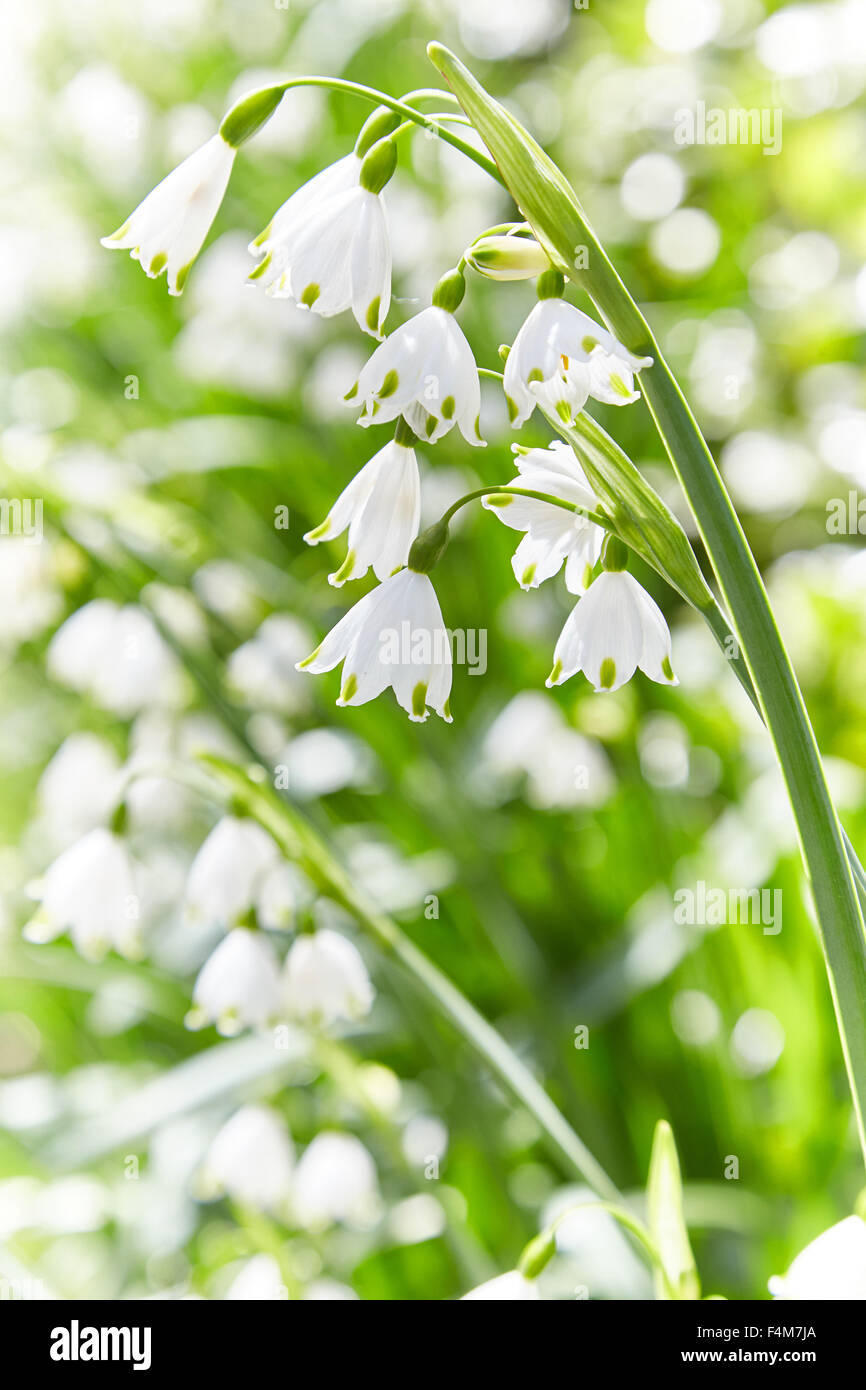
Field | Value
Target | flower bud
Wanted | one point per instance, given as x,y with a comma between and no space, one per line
507,257
378,166
449,293
428,547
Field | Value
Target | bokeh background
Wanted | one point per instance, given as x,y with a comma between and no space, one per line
164,435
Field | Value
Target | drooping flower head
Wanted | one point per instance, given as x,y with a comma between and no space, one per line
327,249
250,1159
238,986
394,636
228,872
167,230
424,371
90,891
552,534
381,507
612,630
561,357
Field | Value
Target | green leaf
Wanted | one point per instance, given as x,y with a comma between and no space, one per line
666,1220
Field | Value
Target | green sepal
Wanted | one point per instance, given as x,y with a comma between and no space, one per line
427,548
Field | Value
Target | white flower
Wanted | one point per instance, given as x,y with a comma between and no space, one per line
393,636
262,670
340,258
530,737
424,371
561,356
260,1279
553,535
382,508
833,1266
614,628
251,1159
510,1287
326,979
90,891
335,1180
167,230
227,874
116,655
238,986
78,788
289,221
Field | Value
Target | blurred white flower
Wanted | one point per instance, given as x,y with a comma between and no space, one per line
381,507
90,892
29,595
530,737
561,357
260,1278
393,636
613,629
251,1159
238,986
227,874
335,1180
262,670
117,656
832,1266
78,788
326,979
553,535
511,1287
167,230
424,371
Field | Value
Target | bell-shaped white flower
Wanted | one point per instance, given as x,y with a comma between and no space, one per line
117,656
424,371
393,636
382,508
832,1266
561,357
90,891
613,629
251,1159
328,248
335,1180
227,874
553,535
167,231
238,986
326,979
512,1287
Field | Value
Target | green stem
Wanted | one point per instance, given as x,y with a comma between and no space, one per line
508,491
300,842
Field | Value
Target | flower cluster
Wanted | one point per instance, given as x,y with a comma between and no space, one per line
327,250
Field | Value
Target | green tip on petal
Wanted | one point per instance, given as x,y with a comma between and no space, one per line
351,393
310,295
588,343
389,385
607,673
158,263
308,660
350,687
527,577
372,317
448,406
667,669
262,236
260,269
513,412
535,375
553,678
619,386
419,701
446,712
345,572
319,533
563,410
499,499
180,279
